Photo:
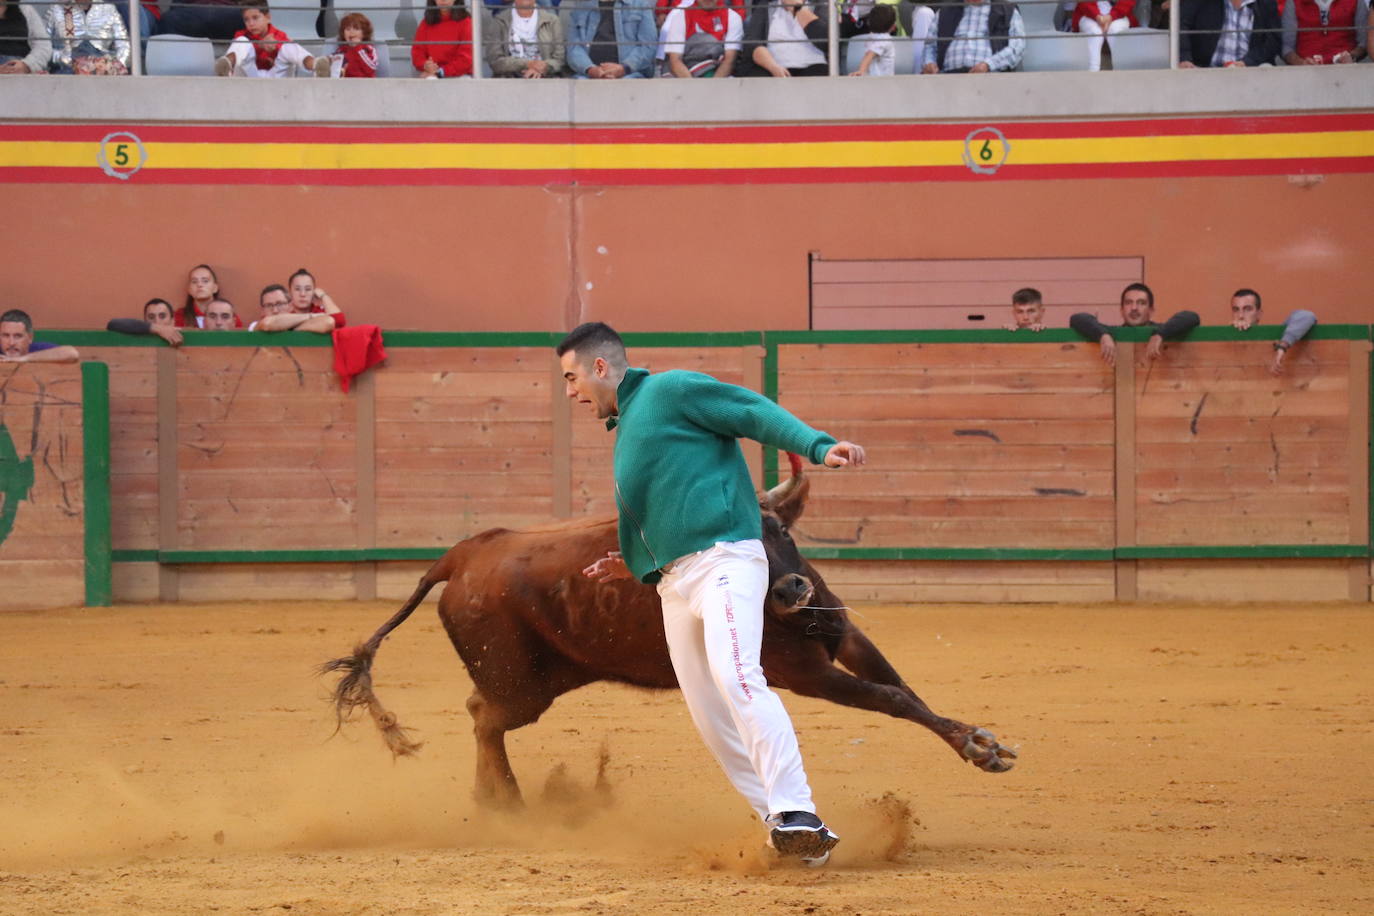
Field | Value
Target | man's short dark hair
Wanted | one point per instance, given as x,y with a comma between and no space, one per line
880,18
231,305
272,288
1259,306
20,316
1149,293
595,338
156,302
1025,296
255,5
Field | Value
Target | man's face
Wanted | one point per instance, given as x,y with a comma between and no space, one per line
1135,308
275,303
158,313
1245,312
589,383
201,284
14,338
219,316
1028,313
256,22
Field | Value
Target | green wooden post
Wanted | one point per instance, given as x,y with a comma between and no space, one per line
95,428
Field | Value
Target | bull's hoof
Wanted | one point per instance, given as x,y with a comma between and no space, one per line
982,749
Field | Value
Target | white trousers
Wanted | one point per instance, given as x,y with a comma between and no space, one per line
713,617
1095,37
290,58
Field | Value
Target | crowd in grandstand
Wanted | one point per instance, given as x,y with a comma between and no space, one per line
628,39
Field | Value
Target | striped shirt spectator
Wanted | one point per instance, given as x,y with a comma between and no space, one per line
968,46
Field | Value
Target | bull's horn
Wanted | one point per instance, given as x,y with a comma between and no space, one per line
784,489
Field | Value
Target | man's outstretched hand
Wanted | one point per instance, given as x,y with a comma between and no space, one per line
843,454
608,568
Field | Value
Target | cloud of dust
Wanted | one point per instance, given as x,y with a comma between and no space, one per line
335,797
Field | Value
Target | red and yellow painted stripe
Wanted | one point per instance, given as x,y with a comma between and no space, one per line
262,154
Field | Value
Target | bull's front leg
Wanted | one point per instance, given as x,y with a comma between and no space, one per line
877,686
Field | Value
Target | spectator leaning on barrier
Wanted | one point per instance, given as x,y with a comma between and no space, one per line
278,316
1137,311
702,39
219,316
976,37
611,39
18,346
1232,33
156,320
262,49
307,298
1100,19
1245,314
88,39
443,41
1027,310
1324,31
217,20
24,43
786,38
880,56
525,41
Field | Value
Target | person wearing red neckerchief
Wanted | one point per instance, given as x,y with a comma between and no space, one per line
261,49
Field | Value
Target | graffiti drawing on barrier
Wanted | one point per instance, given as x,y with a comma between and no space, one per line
16,480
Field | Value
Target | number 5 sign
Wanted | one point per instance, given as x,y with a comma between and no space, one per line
121,155
986,150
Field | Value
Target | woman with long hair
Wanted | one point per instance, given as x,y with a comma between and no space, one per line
443,41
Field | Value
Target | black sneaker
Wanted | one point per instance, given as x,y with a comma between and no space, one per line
801,834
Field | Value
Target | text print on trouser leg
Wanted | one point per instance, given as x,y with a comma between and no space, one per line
723,584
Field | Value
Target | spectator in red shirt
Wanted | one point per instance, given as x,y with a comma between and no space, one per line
277,315
359,57
309,299
443,42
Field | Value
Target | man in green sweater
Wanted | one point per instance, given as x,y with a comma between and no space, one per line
689,524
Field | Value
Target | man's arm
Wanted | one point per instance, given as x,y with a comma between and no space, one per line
1178,327
641,37
1297,326
1093,330
1009,58
139,328
315,323
730,410
46,355
1088,326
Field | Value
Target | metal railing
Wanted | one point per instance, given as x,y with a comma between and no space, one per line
838,30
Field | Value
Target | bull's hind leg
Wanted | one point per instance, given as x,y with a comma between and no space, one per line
496,783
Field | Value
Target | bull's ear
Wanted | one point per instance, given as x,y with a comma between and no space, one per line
788,499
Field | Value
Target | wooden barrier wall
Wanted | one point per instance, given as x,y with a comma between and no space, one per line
42,493
1002,468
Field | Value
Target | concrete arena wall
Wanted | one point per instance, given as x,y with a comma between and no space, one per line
665,256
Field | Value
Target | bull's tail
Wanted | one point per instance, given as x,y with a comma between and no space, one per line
354,689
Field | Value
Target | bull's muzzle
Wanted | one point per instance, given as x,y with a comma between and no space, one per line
791,591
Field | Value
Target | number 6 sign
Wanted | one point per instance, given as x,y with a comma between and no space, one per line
986,150
121,155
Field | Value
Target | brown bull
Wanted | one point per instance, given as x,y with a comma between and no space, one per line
530,627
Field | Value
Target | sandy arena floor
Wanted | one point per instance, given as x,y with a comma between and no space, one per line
161,760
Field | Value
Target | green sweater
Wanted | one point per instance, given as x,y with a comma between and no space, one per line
681,483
